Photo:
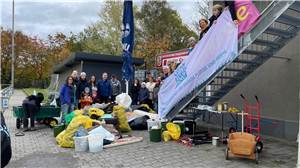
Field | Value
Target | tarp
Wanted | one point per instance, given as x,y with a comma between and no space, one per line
127,40
247,15
217,48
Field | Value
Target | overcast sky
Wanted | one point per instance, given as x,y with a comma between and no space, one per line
43,17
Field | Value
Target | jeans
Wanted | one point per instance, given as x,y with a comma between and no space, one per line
66,109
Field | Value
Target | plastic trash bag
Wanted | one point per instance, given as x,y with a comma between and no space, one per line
96,111
71,115
139,123
173,130
103,132
145,107
65,138
166,136
124,99
119,113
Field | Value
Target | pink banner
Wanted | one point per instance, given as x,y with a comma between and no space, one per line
247,15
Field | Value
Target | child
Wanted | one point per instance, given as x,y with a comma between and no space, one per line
94,95
86,99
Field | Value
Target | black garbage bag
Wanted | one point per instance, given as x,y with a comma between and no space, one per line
139,123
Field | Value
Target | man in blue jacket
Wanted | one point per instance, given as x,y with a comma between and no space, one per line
104,89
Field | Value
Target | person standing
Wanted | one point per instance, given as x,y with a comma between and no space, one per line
143,95
155,94
104,89
150,86
203,23
135,91
92,82
116,87
82,84
67,98
74,75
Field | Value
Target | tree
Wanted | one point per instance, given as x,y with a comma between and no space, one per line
104,36
203,7
162,30
30,58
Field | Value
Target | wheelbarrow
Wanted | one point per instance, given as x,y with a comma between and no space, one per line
45,115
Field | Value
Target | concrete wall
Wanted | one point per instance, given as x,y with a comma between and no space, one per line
276,83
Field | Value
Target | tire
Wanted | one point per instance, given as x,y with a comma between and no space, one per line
18,123
52,122
259,146
226,153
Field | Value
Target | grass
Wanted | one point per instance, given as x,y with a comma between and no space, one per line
29,91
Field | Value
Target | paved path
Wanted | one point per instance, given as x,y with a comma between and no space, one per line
38,150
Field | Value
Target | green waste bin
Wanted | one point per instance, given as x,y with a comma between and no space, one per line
155,135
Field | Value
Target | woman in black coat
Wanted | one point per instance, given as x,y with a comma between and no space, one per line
135,91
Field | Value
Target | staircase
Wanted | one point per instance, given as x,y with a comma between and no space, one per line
279,23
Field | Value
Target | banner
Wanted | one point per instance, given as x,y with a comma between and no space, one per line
217,48
247,15
127,40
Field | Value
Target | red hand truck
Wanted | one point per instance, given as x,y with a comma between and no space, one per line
252,112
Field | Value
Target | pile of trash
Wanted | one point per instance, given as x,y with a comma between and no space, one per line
103,125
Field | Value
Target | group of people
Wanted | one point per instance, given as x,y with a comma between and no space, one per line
204,26
78,91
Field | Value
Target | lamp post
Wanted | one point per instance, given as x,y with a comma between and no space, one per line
13,46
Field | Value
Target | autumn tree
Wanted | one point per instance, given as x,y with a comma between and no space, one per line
162,30
30,59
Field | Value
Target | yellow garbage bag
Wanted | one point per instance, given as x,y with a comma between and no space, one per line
147,107
173,130
119,113
65,138
166,136
96,111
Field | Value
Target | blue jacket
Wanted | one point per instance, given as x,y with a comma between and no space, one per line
67,94
104,88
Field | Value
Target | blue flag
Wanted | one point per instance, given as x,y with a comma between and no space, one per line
127,40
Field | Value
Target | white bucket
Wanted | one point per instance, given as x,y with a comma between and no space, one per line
81,144
215,141
152,122
95,143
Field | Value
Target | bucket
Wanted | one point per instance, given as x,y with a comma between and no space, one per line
215,141
95,143
155,135
81,144
151,123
